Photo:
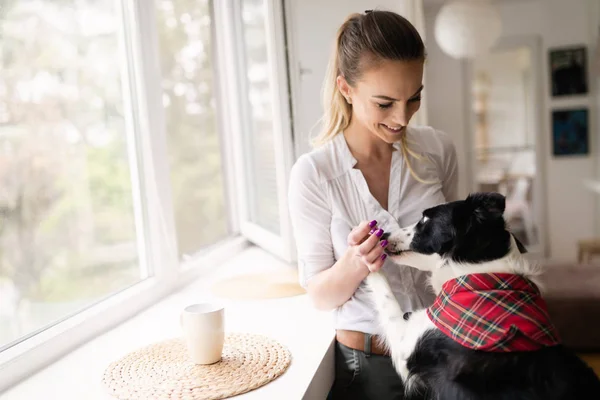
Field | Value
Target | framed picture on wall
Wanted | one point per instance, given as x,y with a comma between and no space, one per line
568,71
570,132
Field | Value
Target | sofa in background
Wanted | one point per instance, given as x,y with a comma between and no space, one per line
572,292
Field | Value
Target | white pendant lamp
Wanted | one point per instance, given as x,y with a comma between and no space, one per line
467,28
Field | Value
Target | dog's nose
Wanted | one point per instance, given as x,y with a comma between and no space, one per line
385,235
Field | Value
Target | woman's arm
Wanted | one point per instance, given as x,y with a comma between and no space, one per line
329,282
332,287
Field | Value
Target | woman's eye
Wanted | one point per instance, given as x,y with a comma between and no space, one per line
415,99
387,105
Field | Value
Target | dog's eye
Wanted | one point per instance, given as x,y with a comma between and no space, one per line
424,219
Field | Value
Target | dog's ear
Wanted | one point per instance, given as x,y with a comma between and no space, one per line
520,246
488,204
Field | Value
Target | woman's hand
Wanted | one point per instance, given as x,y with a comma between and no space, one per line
334,286
366,247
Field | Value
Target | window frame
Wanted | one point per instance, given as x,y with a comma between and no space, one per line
152,196
281,244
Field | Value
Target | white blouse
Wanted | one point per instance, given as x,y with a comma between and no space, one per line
328,197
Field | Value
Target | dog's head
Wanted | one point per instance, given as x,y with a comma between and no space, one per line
470,231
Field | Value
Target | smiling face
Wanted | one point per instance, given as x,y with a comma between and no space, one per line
386,97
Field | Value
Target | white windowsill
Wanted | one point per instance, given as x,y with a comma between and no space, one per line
306,332
26,358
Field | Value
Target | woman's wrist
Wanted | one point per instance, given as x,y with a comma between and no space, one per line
355,265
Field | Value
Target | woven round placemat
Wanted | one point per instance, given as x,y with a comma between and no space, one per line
164,371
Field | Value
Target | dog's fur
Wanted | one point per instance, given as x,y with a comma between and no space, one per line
452,240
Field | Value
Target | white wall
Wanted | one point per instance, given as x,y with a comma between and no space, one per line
571,209
446,96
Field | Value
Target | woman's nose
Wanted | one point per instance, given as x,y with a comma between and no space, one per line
400,119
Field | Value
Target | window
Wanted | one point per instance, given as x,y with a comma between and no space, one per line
263,201
188,97
140,142
68,230
264,130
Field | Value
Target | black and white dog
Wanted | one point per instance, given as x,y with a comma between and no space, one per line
488,334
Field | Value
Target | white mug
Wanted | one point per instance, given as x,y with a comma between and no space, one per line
203,326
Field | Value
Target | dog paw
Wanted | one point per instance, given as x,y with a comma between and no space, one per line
396,245
399,240
399,257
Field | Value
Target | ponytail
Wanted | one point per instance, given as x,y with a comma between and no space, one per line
336,110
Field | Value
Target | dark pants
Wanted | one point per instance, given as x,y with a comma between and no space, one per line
362,376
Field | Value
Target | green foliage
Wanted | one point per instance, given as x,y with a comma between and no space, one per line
66,198
193,140
110,193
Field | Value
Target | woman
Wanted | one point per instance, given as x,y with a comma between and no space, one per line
368,173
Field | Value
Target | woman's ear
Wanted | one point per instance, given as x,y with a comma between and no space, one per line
344,88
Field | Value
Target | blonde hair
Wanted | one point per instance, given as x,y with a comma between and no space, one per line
364,38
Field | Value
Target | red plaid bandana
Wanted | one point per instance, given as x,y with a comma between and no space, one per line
493,312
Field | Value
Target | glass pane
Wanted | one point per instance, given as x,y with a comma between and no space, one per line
264,204
504,142
67,231
184,29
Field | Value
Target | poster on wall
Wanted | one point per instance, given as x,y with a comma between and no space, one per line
570,132
568,71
